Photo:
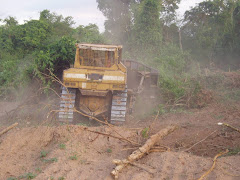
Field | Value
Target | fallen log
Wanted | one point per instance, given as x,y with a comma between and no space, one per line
8,128
214,163
140,152
228,125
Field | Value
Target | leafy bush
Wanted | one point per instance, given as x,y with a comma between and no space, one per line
43,154
145,132
13,74
28,176
88,34
59,52
36,47
73,157
62,146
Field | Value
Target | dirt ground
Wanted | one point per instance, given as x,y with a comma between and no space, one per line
43,149
74,153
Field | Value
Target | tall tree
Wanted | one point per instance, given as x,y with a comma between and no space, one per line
119,17
88,34
168,11
146,36
212,26
60,26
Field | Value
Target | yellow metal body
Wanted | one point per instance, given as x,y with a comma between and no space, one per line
97,72
109,76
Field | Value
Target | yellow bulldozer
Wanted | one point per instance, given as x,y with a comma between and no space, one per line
101,84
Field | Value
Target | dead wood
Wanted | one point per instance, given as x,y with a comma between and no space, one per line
94,138
140,152
200,141
214,163
228,125
109,135
8,128
153,123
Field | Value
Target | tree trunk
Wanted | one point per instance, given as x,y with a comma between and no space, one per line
141,151
180,39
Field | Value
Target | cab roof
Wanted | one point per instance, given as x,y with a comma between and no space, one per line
99,47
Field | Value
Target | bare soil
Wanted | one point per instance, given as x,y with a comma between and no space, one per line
45,148
89,156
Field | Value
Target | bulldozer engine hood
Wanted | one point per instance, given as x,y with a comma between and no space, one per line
94,79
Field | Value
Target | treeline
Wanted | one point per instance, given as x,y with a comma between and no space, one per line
36,47
149,30
211,30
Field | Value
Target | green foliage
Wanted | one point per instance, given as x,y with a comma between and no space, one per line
57,54
121,16
168,11
51,160
62,146
43,154
8,71
161,109
145,38
13,73
10,21
32,34
144,132
88,34
73,157
233,95
118,22
234,151
147,22
39,170
12,178
151,34
109,150
82,124
59,25
147,30
62,50
175,77
173,87
38,47
61,178
212,29
28,176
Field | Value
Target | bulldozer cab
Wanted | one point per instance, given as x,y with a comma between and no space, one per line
94,55
99,83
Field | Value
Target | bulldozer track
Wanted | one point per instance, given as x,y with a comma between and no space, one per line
119,107
67,104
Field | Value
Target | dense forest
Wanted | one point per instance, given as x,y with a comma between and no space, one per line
149,30
29,51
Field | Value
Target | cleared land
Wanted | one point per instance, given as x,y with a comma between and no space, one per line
45,149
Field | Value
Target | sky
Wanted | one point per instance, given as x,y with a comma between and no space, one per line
186,4
82,11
